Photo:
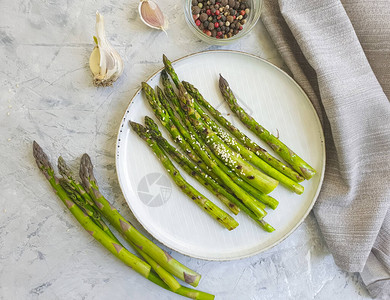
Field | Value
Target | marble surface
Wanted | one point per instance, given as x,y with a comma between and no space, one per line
46,95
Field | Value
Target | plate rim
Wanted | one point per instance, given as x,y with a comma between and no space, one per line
322,138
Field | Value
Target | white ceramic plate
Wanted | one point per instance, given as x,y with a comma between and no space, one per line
277,103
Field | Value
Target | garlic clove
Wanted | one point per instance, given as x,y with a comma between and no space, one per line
151,14
94,61
105,63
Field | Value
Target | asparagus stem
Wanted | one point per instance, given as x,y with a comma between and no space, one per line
246,171
119,251
129,232
248,200
214,211
191,168
279,147
166,277
271,202
245,140
184,161
249,155
184,291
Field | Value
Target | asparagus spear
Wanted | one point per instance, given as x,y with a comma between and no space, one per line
271,202
191,168
245,140
78,195
246,171
214,211
185,162
249,155
286,153
122,253
130,233
163,116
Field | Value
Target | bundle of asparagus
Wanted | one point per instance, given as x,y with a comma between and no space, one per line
88,206
232,166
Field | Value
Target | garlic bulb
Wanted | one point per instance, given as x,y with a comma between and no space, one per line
152,15
105,63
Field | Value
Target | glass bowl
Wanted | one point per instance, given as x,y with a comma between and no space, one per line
254,15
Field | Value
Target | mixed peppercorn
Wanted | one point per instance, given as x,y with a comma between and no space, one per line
221,19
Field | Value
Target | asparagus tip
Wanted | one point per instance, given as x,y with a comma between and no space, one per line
222,82
63,168
152,126
86,170
165,59
40,157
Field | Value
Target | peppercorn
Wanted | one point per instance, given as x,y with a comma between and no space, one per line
224,2
227,23
194,2
195,10
211,26
223,18
229,19
247,11
214,33
200,5
206,24
210,18
203,17
208,32
237,6
232,3
197,22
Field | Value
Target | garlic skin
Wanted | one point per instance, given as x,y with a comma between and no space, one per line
151,14
105,63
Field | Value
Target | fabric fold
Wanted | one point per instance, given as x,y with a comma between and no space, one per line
324,55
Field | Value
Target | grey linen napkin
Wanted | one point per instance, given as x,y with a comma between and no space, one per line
337,51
